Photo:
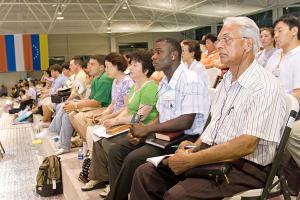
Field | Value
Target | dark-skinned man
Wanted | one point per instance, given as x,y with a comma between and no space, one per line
182,105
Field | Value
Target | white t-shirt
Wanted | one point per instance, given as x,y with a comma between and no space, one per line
199,69
287,69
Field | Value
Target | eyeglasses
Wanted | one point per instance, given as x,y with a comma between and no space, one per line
227,40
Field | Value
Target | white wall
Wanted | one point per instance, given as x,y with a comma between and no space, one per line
88,44
10,79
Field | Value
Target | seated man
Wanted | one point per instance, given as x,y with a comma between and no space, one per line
182,105
246,117
58,82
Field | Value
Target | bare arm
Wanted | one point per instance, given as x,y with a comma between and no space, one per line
88,103
228,151
296,93
180,123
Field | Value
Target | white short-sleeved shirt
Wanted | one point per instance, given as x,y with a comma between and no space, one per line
199,69
288,69
185,93
253,105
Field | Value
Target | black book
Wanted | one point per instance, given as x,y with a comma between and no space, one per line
163,143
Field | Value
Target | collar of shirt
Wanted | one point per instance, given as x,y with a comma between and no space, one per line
172,83
293,51
243,80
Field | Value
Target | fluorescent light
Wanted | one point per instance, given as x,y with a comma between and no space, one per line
124,7
60,17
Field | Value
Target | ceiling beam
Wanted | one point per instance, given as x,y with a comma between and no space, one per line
101,8
36,18
44,9
53,20
87,17
6,14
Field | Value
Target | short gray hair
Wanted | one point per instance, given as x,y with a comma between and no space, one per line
248,28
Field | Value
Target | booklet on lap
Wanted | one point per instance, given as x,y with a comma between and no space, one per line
102,132
158,159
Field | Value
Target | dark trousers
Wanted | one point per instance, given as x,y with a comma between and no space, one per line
123,159
152,183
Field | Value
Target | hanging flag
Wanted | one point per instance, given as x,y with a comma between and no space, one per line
23,52
3,60
19,52
44,52
10,53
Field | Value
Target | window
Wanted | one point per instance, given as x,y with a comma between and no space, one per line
263,19
292,11
56,60
202,31
128,47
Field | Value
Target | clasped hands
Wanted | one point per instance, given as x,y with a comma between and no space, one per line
69,106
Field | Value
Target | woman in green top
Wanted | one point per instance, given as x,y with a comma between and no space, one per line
142,96
140,100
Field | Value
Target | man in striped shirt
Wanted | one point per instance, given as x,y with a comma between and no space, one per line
247,114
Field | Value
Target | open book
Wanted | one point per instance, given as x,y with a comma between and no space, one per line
158,159
102,132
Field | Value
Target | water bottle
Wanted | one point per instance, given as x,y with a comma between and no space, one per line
80,154
84,148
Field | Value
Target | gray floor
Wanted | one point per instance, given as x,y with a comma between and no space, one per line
19,166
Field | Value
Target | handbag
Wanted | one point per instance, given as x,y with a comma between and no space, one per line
216,171
60,97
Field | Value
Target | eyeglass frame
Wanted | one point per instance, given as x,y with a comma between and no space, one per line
227,40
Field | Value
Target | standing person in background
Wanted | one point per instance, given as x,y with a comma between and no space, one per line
267,43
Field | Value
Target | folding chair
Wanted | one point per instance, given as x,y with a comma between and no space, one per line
2,151
269,190
212,75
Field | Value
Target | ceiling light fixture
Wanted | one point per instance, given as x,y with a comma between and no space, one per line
60,17
59,13
125,5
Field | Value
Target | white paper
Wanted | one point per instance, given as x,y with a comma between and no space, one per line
90,130
100,132
156,160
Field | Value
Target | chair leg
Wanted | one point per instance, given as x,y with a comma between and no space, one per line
283,184
2,151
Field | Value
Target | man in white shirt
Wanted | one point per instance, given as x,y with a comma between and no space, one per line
247,114
284,64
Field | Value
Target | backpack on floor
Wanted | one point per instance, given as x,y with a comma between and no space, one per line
49,177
